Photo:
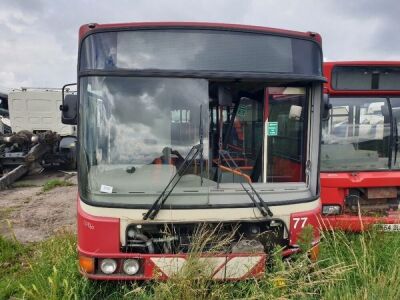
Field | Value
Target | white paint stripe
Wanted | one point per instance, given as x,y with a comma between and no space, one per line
169,265
235,268
196,215
211,264
238,267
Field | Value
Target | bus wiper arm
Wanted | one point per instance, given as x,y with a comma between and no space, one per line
157,205
396,142
263,208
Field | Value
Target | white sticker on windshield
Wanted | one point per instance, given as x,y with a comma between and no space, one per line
106,189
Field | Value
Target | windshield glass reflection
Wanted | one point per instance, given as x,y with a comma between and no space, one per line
138,131
356,136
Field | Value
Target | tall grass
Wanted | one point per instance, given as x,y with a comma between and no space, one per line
363,266
376,259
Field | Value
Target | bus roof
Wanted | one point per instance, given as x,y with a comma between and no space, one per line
329,66
87,28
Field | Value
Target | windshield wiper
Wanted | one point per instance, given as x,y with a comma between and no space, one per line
157,205
263,208
190,157
201,145
396,141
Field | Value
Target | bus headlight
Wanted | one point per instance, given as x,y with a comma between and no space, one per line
131,266
331,209
108,266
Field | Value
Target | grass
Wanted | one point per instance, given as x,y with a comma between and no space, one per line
363,266
5,212
376,260
53,183
12,263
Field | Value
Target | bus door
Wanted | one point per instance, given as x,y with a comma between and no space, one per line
286,133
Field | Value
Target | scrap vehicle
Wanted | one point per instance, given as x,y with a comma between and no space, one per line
183,125
360,167
4,120
37,138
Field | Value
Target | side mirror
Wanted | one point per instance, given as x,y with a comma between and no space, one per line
326,107
69,107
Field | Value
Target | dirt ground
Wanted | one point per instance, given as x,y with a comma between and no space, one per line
33,215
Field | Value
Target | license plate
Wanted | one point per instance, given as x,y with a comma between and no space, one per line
388,227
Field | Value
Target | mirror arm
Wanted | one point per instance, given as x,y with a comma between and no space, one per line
67,105
326,108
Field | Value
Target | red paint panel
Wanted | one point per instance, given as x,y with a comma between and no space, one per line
151,271
356,223
333,195
335,186
360,179
300,220
97,236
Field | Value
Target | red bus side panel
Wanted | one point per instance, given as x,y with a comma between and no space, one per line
97,235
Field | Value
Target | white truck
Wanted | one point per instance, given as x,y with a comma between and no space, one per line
37,134
4,120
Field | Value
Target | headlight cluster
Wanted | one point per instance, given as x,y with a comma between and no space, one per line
108,266
331,209
130,266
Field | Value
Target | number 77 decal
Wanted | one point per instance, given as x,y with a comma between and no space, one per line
300,221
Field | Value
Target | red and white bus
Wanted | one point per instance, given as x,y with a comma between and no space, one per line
186,124
360,161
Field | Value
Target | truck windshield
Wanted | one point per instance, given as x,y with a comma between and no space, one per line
357,135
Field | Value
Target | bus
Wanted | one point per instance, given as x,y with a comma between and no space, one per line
360,167
186,125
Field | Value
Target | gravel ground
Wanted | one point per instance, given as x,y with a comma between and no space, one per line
33,215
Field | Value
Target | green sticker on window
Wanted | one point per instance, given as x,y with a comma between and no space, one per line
242,110
272,129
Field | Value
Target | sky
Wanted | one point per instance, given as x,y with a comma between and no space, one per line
39,38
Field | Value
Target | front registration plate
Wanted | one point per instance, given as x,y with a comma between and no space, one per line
388,227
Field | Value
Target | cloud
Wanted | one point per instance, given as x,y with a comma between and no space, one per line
39,38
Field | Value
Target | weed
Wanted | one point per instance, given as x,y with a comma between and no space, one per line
376,259
12,254
53,183
5,212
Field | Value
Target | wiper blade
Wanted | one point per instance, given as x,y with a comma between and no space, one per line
263,208
396,142
157,205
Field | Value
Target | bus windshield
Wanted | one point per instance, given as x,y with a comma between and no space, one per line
137,132
357,135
